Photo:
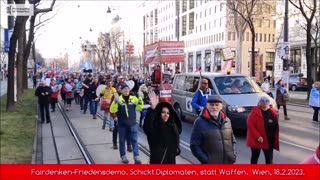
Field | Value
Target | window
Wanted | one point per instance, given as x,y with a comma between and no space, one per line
155,16
191,83
184,25
274,23
273,38
220,22
269,38
229,36
222,36
265,38
221,7
191,21
184,5
179,82
235,85
198,59
256,37
191,4
260,37
190,62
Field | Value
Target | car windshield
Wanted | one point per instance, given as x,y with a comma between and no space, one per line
235,85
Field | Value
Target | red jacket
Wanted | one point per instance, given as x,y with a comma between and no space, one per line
255,129
314,159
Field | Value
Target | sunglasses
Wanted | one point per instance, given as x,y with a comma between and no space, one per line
265,100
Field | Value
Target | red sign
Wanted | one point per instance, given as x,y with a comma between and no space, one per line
164,52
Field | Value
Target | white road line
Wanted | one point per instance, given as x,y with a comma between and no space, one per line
297,145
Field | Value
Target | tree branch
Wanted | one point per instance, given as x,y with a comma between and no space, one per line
37,11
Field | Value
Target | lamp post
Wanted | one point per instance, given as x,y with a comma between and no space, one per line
285,48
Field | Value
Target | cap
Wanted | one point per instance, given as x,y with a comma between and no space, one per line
124,86
264,99
214,99
120,77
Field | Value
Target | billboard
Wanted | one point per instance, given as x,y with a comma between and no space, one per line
164,52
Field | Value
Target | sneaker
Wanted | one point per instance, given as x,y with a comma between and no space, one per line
115,146
111,129
124,160
94,117
137,160
103,127
286,118
129,148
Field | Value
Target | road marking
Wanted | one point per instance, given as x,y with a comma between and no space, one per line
297,145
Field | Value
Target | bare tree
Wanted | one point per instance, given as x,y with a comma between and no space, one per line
103,51
247,13
116,52
31,34
238,24
308,8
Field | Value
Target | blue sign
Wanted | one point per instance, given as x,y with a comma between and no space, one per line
86,65
7,36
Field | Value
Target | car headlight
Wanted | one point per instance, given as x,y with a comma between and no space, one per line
236,108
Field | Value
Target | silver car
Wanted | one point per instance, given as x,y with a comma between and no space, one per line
238,92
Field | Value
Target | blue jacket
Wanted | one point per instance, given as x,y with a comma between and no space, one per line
200,98
314,100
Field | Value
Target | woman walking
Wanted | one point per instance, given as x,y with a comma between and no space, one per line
54,96
162,127
143,93
282,98
263,131
314,100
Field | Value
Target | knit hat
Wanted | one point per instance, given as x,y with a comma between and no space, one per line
124,86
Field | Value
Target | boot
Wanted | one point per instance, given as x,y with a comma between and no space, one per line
115,146
137,160
286,118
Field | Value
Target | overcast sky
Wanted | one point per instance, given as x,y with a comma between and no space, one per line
73,20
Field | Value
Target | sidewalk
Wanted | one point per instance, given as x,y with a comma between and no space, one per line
97,141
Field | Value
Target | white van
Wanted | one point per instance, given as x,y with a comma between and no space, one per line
237,104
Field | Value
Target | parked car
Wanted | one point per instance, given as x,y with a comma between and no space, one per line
297,82
237,105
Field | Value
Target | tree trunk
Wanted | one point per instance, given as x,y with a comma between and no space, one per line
253,41
20,21
34,57
27,50
24,66
309,58
20,60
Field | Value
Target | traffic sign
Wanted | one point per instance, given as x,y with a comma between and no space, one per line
7,36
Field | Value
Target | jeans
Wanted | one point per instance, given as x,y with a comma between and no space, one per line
316,113
93,107
106,118
142,116
133,131
284,109
115,135
255,153
87,99
44,108
81,102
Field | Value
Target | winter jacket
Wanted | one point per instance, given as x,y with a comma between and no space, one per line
200,100
279,96
212,141
314,100
256,128
126,113
43,99
163,137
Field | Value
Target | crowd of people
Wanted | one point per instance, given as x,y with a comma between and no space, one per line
212,140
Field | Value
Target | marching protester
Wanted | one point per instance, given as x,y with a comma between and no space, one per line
94,99
162,127
212,139
54,96
68,89
282,97
86,92
314,100
199,100
76,91
44,93
107,94
263,131
143,93
124,111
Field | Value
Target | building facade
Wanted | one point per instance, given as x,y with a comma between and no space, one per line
203,25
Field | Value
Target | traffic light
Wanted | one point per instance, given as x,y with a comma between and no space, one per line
129,49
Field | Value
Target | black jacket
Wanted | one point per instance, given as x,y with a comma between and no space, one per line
163,138
43,99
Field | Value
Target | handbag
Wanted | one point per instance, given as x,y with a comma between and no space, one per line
285,97
105,104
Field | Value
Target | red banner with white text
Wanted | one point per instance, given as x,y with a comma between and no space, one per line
79,172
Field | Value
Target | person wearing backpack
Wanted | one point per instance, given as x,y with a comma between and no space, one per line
199,100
